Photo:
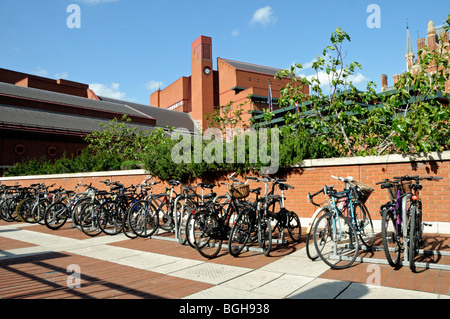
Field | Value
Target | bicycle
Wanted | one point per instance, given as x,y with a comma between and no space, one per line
415,223
210,224
142,216
255,218
191,203
392,219
59,210
284,219
321,210
335,238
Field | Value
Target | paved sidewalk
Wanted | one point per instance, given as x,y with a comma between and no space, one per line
38,263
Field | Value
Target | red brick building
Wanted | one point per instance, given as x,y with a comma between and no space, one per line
45,117
437,39
241,83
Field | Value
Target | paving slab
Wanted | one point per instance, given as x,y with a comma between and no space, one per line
284,285
211,273
320,289
296,265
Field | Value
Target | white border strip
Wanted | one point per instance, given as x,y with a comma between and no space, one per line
77,175
340,161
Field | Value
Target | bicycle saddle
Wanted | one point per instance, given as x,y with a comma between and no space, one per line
210,195
174,183
256,190
386,185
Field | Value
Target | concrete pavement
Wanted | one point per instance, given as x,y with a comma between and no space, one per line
289,276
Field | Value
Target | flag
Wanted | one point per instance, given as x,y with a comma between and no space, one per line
296,107
270,99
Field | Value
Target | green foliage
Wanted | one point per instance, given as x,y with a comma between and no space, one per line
412,119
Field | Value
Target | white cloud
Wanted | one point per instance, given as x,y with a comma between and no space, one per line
62,75
40,72
235,32
325,79
112,91
153,85
264,16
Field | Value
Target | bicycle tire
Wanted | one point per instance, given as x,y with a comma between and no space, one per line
310,247
186,211
109,217
39,211
164,219
336,241
78,208
56,215
265,235
391,243
88,220
143,219
240,232
126,226
413,236
3,210
294,227
207,240
19,217
25,210
364,224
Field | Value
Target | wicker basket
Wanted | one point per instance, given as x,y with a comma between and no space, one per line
240,191
364,191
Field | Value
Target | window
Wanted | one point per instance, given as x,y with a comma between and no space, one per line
19,149
51,151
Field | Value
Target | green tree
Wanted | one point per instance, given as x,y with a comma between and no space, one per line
410,119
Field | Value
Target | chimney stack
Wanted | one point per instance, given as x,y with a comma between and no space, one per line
384,82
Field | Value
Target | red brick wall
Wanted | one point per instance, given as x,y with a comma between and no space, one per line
435,194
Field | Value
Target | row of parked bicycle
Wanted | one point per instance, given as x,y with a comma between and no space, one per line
199,217
337,224
196,214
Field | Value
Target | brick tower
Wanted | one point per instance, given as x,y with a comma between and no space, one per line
202,82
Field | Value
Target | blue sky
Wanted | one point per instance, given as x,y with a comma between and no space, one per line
124,47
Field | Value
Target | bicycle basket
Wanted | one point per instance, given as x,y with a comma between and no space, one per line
240,191
364,191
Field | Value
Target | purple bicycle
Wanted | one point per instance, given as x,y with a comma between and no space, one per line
391,219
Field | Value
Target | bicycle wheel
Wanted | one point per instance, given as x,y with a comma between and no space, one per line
186,210
77,209
336,241
364,225
26,211
56,215
126,225
143,219
391,242
240,232
414,236
310,248
294,227
265,235
88,220
3,210
206,232
39,211
109,217
165,219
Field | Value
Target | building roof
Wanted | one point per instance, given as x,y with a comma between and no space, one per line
164,117
251,67
93,110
